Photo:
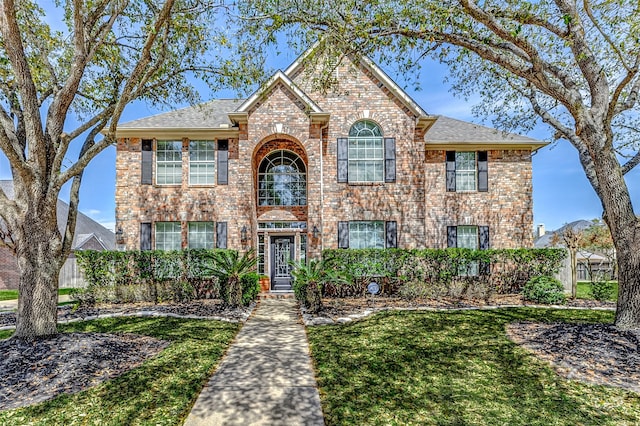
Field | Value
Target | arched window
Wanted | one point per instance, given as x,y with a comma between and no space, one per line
366,152
282,180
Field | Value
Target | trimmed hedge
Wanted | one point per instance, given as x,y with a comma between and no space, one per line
439,272
153,276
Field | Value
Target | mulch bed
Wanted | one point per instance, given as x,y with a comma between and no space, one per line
593,353
67,363
201,308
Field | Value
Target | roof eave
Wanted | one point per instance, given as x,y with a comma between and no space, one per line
177,132
459,145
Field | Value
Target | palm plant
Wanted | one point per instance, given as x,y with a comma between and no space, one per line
308,281
230,267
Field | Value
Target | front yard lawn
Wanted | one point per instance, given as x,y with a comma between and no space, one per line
454,368
583,291
159,392
13,294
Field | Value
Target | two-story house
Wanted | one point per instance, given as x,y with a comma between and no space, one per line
293,170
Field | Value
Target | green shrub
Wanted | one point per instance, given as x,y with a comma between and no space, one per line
544,289
601,290
250,287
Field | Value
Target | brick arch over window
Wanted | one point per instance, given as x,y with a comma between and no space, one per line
268,146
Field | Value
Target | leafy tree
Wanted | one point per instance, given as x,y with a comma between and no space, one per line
572,65
309,279
104,55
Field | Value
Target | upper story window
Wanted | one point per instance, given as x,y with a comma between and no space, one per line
467,171
282,180
169,163
366,153
201,162
365,156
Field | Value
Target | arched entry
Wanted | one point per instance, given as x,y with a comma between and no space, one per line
280,173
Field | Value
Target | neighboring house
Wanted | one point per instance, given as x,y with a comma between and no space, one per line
587,263
89,235
291,171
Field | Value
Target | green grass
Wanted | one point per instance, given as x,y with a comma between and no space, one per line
583,291
8,294
159,392
454,368
13,294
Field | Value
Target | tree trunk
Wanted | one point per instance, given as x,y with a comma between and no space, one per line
628,307
38,288
235,291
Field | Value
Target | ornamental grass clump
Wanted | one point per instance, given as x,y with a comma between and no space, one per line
544,289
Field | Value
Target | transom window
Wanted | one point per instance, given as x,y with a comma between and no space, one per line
201,235
366,153
282,180
368,234
466,171
168,236
169,163
201,162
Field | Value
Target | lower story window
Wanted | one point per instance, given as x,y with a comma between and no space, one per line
168,236
369,234
468,237
200,235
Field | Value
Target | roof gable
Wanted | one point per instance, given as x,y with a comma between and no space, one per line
375,70
242,112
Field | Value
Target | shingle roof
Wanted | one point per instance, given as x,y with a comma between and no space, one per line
451,130
546,239
207,115
84,224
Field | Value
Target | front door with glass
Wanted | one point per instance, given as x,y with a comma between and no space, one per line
282,254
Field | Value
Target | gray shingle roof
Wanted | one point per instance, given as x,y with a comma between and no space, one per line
546,239
84,224
208,115
447,129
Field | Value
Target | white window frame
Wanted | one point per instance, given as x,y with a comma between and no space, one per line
468,237
174,163
358,229
198,163
201,235
163,230
365,152
466,171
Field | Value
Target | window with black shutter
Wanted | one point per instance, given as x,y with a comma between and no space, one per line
483,172
343,235
389,160
146,165
391,231
343,160
221,235
452,236
451,171
483,231
145,236
223,162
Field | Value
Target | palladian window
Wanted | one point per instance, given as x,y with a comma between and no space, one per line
282,180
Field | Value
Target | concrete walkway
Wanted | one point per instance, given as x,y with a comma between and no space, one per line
266,376
12,305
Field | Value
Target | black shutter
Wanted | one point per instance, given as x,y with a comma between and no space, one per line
343,159
223,162
147,163
485,267
389,159
145,236
451,171
483,172
343,235
221,235
391,229
452,236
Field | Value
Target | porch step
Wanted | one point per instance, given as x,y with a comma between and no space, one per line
276,295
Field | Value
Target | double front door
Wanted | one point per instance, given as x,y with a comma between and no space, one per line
282,254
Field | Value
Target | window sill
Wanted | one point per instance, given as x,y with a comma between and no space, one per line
202,185
365,183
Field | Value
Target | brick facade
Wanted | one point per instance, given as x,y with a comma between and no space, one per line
280,120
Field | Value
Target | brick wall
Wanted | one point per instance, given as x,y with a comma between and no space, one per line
417,201
9,275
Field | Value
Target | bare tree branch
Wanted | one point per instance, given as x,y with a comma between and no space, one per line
629,165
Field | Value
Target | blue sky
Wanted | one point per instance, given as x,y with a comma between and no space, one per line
561,191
